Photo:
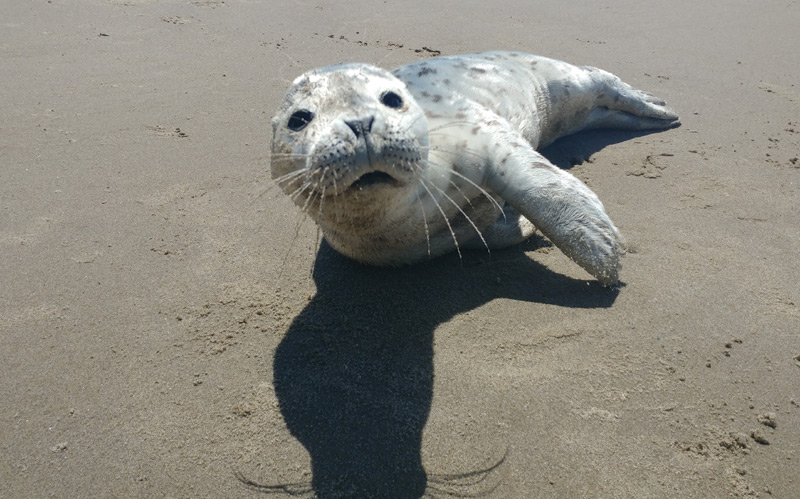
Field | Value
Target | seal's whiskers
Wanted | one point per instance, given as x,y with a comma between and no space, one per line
336,211
444,215
309,200
425,223
458,206
300,190
321,203
288,179
470,181
300,219
450,125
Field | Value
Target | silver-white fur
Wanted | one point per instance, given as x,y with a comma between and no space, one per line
462,145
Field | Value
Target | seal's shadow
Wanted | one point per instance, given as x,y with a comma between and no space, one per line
354,373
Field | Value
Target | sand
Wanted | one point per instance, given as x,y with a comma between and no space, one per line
162,334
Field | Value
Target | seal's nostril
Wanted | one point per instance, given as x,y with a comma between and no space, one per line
364,125
355,126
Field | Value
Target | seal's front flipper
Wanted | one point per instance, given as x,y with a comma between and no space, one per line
559,205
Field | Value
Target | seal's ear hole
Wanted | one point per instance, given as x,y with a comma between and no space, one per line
392,100
299,119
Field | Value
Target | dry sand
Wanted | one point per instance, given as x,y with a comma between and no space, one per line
156,340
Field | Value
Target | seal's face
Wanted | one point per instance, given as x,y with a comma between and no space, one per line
350,131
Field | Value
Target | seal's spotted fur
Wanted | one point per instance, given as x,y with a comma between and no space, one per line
399,166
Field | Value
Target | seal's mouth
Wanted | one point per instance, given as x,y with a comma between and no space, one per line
374,179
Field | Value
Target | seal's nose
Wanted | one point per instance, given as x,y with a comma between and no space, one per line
362,126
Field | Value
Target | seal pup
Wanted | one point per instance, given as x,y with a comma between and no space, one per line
437,155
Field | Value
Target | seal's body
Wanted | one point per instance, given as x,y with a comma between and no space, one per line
440,154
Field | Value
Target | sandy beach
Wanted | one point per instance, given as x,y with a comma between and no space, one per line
172,326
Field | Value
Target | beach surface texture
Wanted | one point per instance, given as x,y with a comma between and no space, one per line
172,326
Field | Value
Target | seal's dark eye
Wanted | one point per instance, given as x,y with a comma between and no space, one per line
299,119
391,99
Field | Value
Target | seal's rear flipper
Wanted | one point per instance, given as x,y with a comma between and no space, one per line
619,105
612,118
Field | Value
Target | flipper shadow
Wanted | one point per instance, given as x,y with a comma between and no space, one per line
574,149
354,373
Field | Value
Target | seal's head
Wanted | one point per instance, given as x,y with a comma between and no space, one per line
352,132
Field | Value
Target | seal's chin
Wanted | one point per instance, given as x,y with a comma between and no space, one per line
374,179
